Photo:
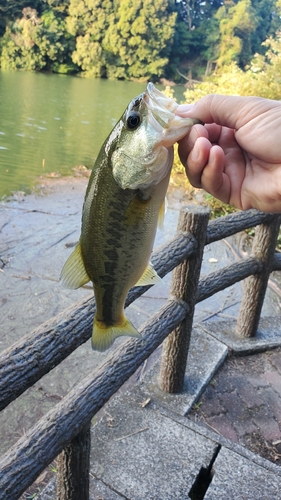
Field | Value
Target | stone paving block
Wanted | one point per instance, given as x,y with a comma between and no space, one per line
276,361
143,454
205,356
267,424
237,478
267,337
210,409
97,491
257,381
223,425
249,394
274,379
227,383
245,428
273,402
233,404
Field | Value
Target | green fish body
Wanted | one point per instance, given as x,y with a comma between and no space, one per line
124,201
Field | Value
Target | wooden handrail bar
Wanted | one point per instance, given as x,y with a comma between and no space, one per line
37,353
27,360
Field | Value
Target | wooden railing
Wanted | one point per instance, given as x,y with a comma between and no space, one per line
65,429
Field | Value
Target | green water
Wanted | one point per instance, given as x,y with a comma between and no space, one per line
53,123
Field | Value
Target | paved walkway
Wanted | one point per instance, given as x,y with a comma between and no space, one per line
243,403
174,446
146,444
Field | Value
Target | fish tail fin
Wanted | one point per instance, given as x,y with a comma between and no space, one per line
104,335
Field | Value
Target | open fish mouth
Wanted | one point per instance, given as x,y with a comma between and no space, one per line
161,106
161,115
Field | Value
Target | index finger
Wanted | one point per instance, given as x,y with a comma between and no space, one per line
228,111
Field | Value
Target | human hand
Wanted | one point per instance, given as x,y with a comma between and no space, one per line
236,155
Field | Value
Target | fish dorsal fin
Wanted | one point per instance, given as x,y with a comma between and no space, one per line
73,273
161,215
149,277
103,335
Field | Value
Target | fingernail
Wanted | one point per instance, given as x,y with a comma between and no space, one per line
194,153
184,109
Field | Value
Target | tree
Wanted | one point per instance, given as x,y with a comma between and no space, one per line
10,10
196,38
35,43
194,12
262,78
237,22
139,39
88,21
268,22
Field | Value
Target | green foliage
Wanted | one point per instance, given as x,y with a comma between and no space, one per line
135,39
236,23
36,43
123,39
265,71
195,39
262,78
266,21
138,39
88,21
179,180
217,207
20,48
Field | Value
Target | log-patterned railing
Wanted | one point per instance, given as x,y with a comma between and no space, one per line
65,429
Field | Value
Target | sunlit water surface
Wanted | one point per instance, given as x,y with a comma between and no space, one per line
53,123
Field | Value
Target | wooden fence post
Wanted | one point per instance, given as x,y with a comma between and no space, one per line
193,219
255,286
74,467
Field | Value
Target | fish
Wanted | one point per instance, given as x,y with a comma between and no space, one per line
124,203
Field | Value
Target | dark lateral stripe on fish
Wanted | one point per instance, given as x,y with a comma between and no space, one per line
107,315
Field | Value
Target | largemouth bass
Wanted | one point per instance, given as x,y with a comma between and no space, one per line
124,200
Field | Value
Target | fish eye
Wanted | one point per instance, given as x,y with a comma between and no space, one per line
133,120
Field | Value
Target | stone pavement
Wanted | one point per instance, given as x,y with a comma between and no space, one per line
174,446
243,403
144,447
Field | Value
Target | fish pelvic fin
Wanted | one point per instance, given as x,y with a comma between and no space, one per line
74,274
149,277
103,335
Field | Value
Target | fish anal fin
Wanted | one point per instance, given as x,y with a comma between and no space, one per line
149,277
73,274
103,335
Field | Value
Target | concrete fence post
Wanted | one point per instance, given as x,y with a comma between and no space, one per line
185,277
255,286
74,468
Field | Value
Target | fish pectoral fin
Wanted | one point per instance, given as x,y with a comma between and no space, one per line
149,277
161,215
103,335
73,273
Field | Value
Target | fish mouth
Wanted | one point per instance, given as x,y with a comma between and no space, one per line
162,117
161,106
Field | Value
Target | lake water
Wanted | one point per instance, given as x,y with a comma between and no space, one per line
53,123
